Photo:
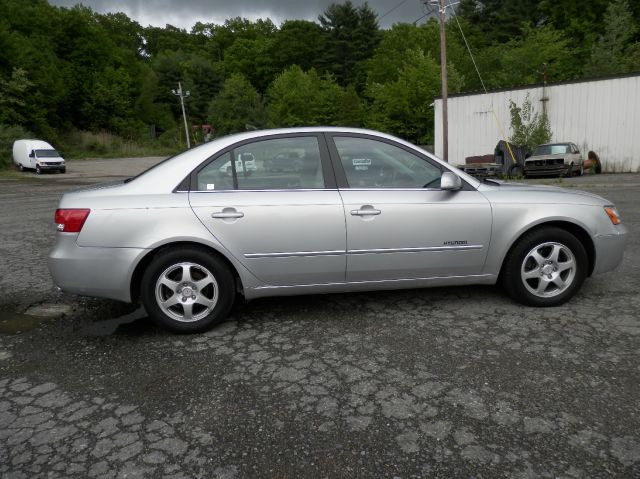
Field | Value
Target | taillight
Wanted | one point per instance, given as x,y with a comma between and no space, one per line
71,220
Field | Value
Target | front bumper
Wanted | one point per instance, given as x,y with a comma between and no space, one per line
92,271
60,167
610,250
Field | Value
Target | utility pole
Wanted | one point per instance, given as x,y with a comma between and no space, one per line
443,74
182,96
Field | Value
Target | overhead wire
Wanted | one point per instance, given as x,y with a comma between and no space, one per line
475,65
397,6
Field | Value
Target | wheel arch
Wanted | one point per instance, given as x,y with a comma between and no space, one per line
576,230
143,264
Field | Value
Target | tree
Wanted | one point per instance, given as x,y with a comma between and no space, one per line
351,36
298,42
238,104
298,98
528,128
403,106
12,104
615,51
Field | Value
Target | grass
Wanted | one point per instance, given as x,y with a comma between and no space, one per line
85,145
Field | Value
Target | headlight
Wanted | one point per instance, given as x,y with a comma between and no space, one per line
613,214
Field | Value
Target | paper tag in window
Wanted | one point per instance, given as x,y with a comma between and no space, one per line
211,186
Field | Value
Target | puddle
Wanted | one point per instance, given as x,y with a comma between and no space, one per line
131,323
15,323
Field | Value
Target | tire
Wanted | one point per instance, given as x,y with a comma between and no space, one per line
63,170
569,172
38,170
546,267
516,171
209,285
20,167
580,172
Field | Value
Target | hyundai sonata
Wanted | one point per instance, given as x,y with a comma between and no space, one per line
361,210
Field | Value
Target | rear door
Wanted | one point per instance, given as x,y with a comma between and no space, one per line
400,225
287,227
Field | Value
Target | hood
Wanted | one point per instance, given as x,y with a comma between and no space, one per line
518,193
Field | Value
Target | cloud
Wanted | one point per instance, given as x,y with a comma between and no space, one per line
185,13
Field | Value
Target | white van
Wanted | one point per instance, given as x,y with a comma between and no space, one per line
37,155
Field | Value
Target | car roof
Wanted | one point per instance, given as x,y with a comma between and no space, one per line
167,174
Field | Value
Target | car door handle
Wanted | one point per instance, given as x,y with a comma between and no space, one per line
366,211
226,214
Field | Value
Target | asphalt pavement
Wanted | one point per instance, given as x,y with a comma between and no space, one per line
445,382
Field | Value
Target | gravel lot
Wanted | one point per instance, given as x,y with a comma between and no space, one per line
448,382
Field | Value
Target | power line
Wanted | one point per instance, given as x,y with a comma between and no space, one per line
397,6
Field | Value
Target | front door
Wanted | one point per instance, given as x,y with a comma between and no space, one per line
400,225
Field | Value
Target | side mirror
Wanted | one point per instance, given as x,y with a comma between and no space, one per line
450,181
32,154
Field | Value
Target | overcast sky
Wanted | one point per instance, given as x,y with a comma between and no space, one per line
185,13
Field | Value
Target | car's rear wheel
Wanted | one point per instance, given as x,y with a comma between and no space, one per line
187,290
20,167
546,267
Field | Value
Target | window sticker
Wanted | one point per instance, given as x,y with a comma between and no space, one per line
211,186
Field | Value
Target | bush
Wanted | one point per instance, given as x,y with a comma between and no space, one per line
9,134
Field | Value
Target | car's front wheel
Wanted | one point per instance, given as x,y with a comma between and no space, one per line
546,267
187,290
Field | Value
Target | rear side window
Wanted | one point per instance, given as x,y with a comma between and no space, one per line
272,164
217,175
280,164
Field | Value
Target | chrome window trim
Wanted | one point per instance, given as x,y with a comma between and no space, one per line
263,191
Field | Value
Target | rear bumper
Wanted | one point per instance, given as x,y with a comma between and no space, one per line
91,271
610,250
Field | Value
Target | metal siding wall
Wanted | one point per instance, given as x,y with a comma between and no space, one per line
602,116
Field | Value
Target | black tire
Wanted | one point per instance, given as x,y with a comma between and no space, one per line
63,170
569,172
20,167
516,171
580,172
38,170
519,263
169,264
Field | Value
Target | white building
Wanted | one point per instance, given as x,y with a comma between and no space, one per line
602,115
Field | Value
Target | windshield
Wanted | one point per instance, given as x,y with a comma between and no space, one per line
551,150
47,154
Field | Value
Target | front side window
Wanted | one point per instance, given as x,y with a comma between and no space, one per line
375,164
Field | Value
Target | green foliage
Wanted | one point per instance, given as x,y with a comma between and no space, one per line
404,106
72,69
8,134
615,51
298,98
238,104
12,90
528,128
351,36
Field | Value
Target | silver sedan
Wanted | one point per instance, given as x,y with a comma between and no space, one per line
359,210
